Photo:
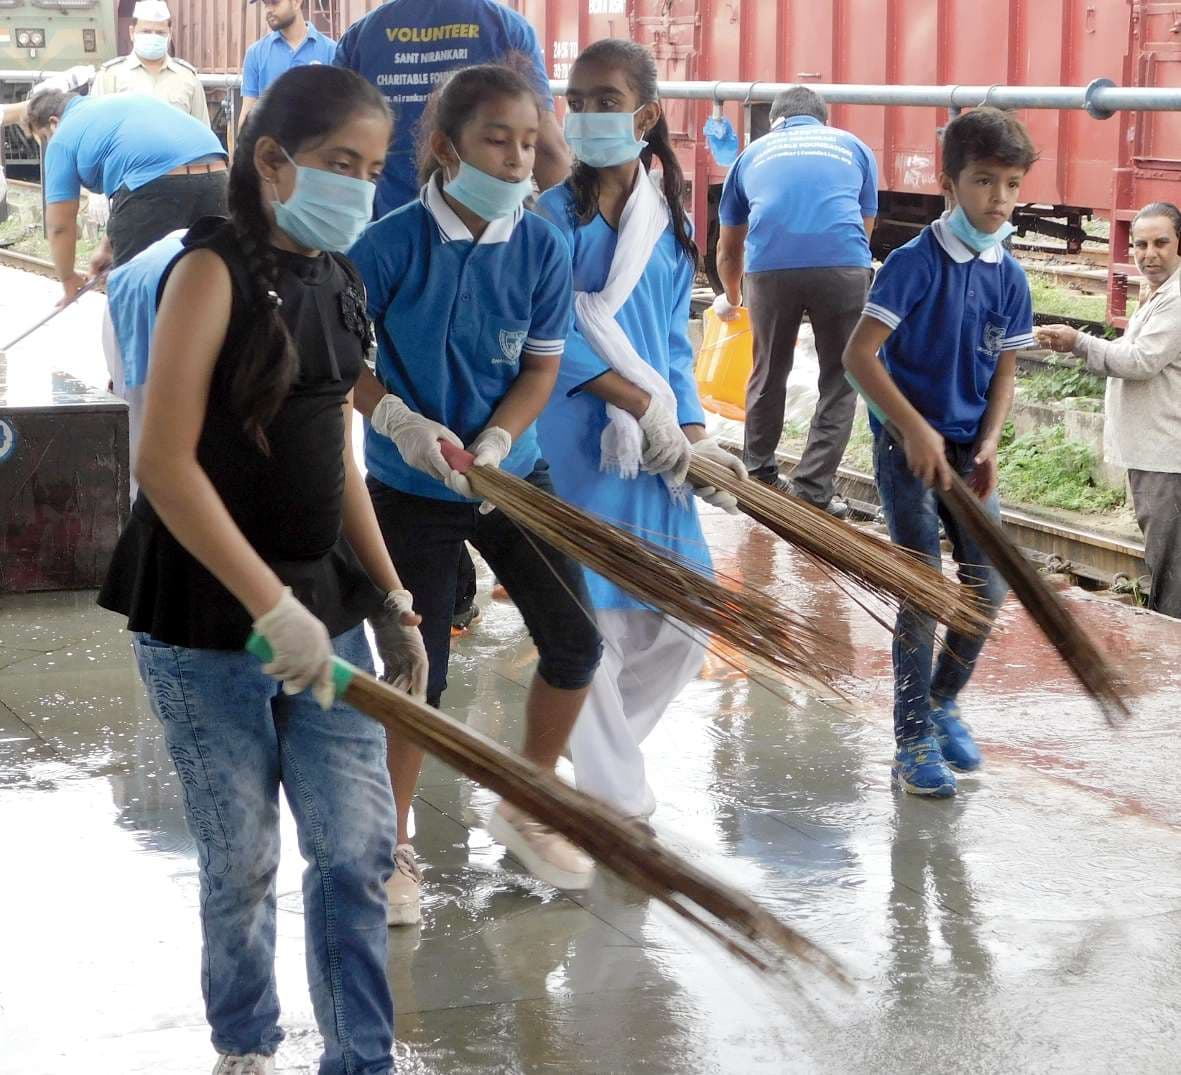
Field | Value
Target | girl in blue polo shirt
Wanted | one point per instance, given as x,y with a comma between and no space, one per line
471,298
625,419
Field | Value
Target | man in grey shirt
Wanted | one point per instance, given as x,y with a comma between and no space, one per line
1143,408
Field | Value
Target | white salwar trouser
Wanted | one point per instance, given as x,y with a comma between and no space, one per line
647,660
133,396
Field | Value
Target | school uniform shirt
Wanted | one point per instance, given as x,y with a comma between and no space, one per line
407,47
655,318
453,317
802,190
132,297
272,55
950,313
105,143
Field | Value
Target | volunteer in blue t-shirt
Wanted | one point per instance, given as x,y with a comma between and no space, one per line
802,201
407,47
292,42
161,169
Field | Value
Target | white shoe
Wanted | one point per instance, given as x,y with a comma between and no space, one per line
404,889
250,1064
544,853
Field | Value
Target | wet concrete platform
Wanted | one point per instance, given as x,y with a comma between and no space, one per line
1032,924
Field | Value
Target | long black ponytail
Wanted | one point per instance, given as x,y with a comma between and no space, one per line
304,105
637,62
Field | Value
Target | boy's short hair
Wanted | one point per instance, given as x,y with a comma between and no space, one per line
799,101
986,134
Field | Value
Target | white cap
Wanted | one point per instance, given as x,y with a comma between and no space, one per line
151,11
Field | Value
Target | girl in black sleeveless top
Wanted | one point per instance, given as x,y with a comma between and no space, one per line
252,513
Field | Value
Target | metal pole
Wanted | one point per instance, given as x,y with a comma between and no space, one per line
1101,98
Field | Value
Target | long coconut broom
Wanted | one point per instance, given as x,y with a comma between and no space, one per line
747,620
1073,644
733,919
884,569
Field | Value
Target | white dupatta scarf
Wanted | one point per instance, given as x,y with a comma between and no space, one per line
645,218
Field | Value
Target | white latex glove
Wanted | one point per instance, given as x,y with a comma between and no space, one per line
399,644
725,309
67,81
489,447
300,647
416,438
710,449
666,448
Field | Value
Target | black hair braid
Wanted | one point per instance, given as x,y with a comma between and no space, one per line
302,107
263,377
673,182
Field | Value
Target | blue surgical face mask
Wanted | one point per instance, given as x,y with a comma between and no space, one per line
485,195
326,211
962,228
151,46
602,139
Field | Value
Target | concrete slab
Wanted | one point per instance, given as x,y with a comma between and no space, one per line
1030,924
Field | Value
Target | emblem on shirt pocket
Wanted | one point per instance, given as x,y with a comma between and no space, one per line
511,344
994,335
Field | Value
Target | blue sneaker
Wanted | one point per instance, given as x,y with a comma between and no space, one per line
955,741
919,769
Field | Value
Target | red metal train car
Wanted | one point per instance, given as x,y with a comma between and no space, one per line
1105,167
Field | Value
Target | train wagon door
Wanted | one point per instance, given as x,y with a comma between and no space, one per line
1150,165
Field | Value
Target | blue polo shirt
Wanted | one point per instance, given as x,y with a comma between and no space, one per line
802,190
104,143
951,313
271,56
132,299
453,317
407,47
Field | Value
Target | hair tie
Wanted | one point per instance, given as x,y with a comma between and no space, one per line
274,298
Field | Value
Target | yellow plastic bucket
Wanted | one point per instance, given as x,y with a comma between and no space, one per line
724,364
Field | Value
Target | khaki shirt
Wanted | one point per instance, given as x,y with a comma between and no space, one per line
176,83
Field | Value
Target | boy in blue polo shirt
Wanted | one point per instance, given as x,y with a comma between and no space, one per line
936,351
292,42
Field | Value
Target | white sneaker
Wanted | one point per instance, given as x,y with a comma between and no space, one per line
250,1064
543,852
404,889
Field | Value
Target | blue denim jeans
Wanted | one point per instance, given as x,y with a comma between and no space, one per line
913,513
234,738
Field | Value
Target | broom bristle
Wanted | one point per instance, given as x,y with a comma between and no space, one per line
736,921
886,570
751,622
1073,644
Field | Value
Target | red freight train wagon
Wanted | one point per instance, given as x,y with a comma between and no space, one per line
1106,167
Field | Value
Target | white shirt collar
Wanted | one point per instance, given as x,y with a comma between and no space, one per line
452,228
959,251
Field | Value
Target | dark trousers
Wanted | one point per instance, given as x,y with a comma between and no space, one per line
425,538
140,217
833,300
1157,498
913,513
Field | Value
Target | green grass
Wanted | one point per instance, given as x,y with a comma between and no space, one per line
1050,298
1047,469
1063,380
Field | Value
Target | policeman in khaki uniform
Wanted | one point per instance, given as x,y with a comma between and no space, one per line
149,69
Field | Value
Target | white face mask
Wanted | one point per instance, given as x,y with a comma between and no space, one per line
151,46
